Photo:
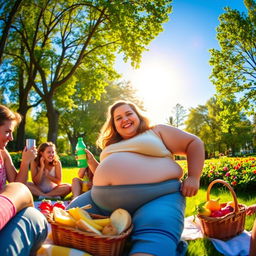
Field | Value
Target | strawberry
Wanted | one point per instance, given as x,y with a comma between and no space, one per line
45,205
59,204
217,213
227,209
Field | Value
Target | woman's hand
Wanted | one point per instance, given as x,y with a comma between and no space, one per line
29,155
190,186
42,164
92,162
251,210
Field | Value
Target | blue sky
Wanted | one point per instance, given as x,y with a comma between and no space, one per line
176,69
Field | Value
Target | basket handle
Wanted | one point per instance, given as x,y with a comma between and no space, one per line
230,189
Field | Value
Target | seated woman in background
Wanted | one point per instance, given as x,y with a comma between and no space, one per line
137,172
83,182
46,172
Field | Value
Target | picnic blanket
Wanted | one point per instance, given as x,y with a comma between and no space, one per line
236,246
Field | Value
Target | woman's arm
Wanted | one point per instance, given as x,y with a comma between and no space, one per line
22,175
27,157
58,174
183,143
92,162
11,172
81,173
36,172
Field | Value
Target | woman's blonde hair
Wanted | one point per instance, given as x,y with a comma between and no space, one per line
7,115
108,133
42,148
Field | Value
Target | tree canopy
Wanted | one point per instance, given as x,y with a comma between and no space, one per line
234,65
55,44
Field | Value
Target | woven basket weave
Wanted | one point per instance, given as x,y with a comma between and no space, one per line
97,245
227,226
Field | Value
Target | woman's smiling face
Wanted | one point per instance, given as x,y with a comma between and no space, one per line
48,154
6,133
126,121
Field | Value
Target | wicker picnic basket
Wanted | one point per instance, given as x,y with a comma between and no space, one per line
227,226
97,245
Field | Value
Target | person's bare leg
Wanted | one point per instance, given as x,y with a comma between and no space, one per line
76,187
253,241
61,190
36,191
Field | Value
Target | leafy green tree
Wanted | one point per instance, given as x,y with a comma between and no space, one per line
220,133
234,65
202,121
62,39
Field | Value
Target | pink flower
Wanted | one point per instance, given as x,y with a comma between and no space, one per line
225,168
227,174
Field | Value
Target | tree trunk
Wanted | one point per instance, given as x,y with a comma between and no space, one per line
53,119
20,140
22,110
73,142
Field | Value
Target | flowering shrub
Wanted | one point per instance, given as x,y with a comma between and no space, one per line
239,172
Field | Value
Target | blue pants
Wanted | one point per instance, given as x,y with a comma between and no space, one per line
158,224
23,234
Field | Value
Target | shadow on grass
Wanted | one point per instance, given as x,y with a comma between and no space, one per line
202,247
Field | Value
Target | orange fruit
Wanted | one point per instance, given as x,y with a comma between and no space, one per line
213,205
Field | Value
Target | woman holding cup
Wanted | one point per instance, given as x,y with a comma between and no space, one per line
8,121
22,227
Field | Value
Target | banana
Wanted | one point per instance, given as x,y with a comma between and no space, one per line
102,222
63,217
77,213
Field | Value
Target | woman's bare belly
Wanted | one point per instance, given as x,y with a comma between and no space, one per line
132,168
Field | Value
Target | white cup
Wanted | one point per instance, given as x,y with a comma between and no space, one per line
30,143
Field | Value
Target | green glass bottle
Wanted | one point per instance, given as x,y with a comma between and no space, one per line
81,154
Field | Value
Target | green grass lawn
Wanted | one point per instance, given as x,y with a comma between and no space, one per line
202,247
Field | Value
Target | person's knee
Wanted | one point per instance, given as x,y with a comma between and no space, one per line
75,181
36,218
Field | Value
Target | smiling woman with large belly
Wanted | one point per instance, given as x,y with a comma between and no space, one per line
137,172
132,168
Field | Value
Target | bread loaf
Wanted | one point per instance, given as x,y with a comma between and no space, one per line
121,219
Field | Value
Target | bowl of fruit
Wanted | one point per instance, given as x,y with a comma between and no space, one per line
221,220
